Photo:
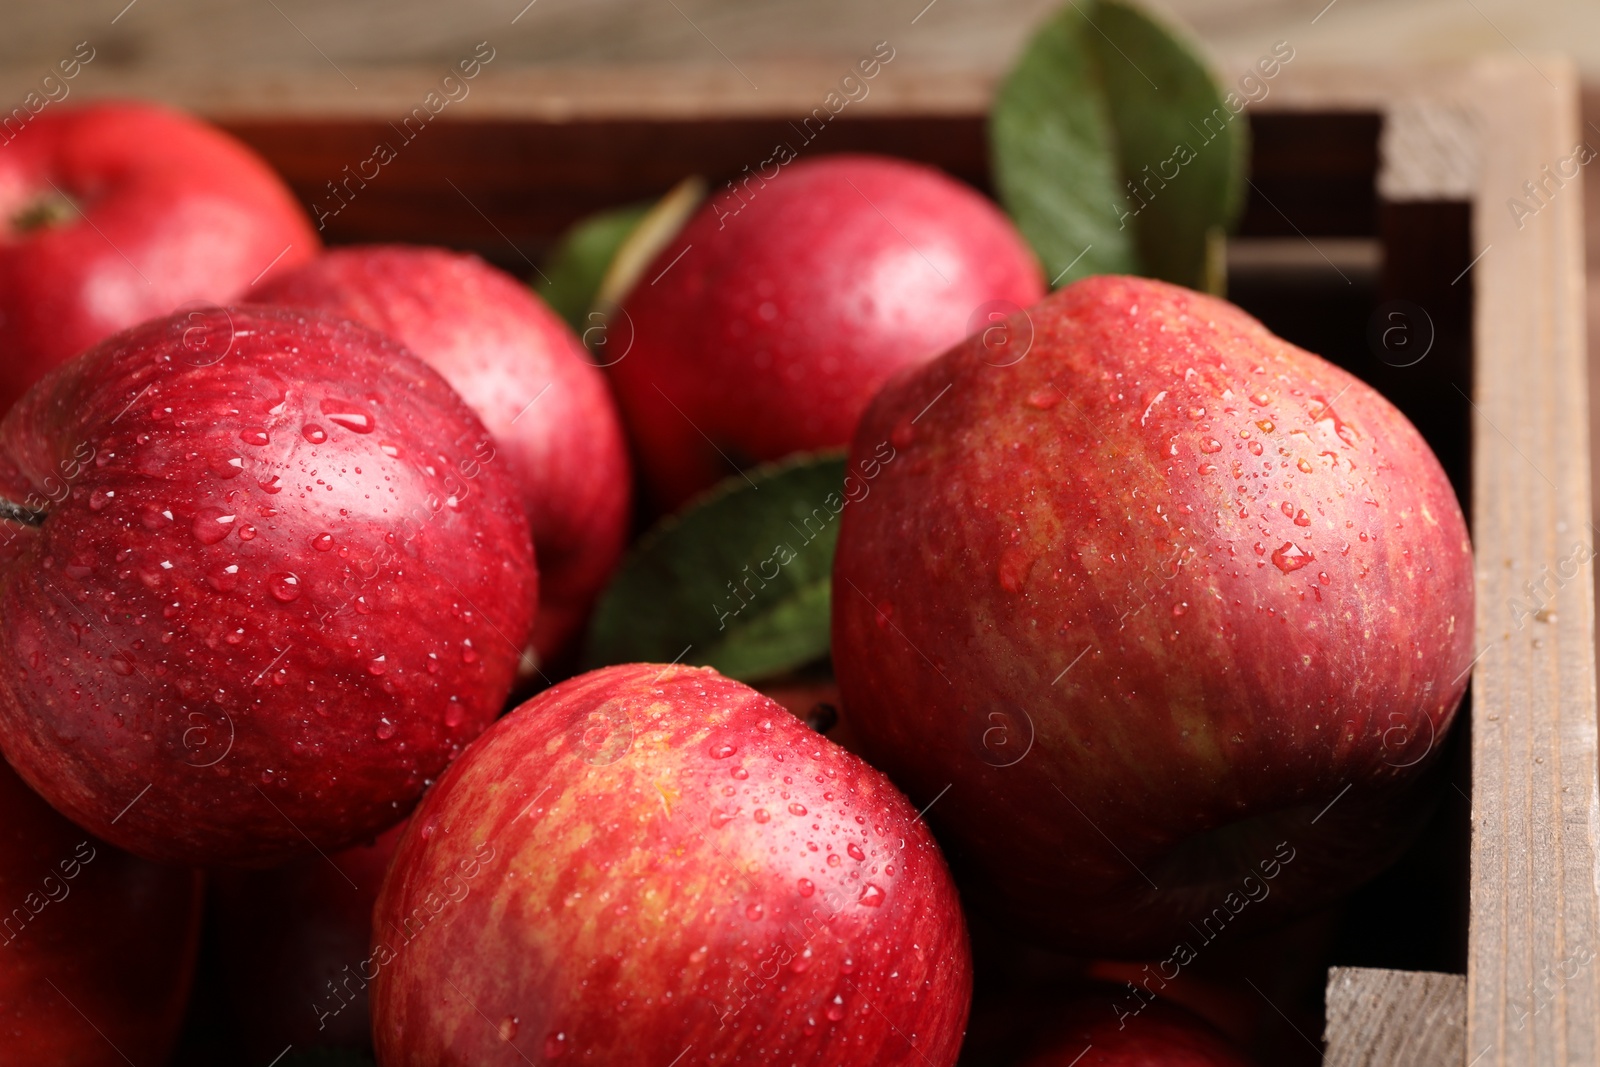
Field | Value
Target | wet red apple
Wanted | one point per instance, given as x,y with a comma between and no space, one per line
526,375
767,324
97,947
261,578
1102,1032
1177,611
120,211
650,862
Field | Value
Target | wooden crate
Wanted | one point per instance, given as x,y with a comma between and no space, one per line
1369,186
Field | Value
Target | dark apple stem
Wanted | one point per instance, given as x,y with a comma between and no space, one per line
13,512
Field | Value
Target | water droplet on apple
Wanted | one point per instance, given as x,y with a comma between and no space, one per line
807,887
223,578
555,1045
468,653
855,852
227,466
1302,519
740,773
508,1028
1044,399
155,517
1305,467
267,776
797,809
285,586
871,896
313,433
378,666
721,817
351,416
1266,425
761,815
122,665
1322,576
212,525
1180,609
1255,448
454,713
254,436
269,484
322,542
834,860
835,1010
247,532
385,730
1291,557
390,449
722,750
1210,445
100,499
754,912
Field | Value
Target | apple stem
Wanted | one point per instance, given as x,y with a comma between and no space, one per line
13,512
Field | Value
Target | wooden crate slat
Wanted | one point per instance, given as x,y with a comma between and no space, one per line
1379,1018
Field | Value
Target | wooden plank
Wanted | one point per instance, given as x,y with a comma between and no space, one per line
1378,1018
1534,988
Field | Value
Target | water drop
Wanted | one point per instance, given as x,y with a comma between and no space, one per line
390,449
351,416
1266,425
378,666
385,730
223,579
807,887
1180,609
212,525
508,1028
454,713
1305,467
721,817
1255,448
155,517
313,433
1044,399
754,912
468,653
1210,445
797,809
855,852
722,750
322,542
1291,557
269,484
740,773
253,436
100,499
228,467
871,896
285,586
761,815
835,1010
555,1045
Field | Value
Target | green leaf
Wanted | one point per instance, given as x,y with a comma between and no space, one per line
741,577
1114,149
581,259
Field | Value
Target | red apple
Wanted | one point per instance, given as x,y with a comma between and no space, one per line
1105,1032
526,375
645,860
774,316
98,947
293,944
117,212
261,579
1177,610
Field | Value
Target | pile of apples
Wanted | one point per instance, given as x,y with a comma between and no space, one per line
1156,619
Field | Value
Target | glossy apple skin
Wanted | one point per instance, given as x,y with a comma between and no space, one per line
1110,1032
383,588
526,375
197,215
792,304
1191,647
88,932
645,858
294,947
